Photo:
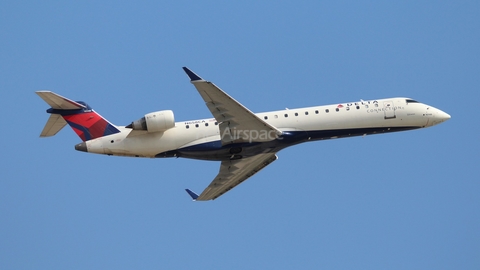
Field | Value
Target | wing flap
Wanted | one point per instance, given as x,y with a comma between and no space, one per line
233,173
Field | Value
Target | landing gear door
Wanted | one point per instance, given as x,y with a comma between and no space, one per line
389,109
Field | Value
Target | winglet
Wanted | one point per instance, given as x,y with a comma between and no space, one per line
192,75
192,194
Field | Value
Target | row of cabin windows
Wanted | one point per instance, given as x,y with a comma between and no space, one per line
316,111
197,125
296,114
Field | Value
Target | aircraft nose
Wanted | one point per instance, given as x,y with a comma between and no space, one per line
81,147
442,116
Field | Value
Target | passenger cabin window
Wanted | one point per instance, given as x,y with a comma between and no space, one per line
316,111
296,114
348,108
358,107
187,126
206,124
265,117
286,115
216,123
196,125
337,109
327,110
306,113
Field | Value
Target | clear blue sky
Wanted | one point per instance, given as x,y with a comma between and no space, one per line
408,200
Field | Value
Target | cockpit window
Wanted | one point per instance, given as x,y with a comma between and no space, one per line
411,101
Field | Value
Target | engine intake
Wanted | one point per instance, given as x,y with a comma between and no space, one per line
154,122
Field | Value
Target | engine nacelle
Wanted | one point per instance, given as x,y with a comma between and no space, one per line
154,122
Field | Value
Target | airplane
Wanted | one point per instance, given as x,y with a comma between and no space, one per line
244,142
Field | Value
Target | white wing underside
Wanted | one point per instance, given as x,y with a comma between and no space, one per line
234,172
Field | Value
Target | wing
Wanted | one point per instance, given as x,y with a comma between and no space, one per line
237,123
232,173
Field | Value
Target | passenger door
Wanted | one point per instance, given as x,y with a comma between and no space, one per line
389,109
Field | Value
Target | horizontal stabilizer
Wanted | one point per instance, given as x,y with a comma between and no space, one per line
54,124
58,102
192,194
86,123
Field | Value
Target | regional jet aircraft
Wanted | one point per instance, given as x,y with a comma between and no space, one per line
244,142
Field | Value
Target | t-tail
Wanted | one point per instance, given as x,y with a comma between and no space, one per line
82,119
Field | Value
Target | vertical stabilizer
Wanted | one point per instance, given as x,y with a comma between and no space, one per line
82,119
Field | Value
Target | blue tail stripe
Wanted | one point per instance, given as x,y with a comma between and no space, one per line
85,130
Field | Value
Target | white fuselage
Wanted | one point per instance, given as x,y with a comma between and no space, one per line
201,138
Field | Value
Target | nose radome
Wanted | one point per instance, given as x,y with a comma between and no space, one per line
442,115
